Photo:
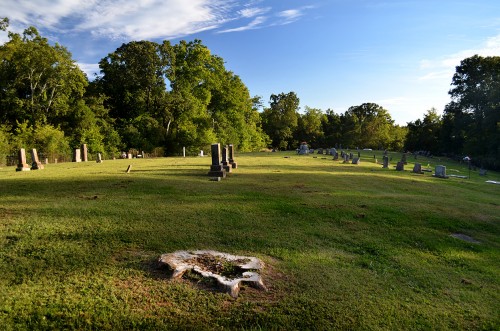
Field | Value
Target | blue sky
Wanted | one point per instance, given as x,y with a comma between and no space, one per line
400,54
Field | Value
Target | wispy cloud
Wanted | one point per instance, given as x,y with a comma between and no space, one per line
255,24
89,68
444,67
144,19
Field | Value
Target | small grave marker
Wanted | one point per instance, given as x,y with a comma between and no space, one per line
417,168
440,171
233,163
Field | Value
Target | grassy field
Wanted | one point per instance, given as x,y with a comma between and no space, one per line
345,246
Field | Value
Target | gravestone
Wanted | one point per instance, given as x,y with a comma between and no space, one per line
129,156
386,162
351,156
356,160
400,166
77,155
225,162
320,150
183,151
84,153
233,163
201,153
346,158
336,156
22,165
417,168
303,149
35,162
216,169
98,158
440,171
333,151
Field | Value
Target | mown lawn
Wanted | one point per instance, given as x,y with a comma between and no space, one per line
345,246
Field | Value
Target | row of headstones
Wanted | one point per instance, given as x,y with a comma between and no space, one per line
22,165
81,155
220,167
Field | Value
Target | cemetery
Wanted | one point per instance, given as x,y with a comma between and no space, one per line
283,240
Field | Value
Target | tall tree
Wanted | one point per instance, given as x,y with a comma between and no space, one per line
38,82
475,106
280,121
425,134
310,128
368,125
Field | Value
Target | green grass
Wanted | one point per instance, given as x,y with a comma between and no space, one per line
345,246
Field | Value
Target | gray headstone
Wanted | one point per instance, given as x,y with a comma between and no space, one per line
303,149
356,160
386,162
440,171
417,168
22,165
400,166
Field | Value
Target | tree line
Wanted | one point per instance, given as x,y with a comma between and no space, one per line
470,123
160,97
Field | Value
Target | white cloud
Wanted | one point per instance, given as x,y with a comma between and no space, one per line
290,14
142,19
89,68
256,23
444,67
252,12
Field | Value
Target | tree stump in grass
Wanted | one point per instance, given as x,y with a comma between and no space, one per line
228,270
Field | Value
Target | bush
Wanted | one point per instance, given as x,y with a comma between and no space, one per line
51,142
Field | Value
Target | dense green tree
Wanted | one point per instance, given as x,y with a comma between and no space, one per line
398,138
474,111
309,128
280,120
38,82
367,125
50,142
332,128
425,134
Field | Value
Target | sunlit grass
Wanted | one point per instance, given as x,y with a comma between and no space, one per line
346,246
